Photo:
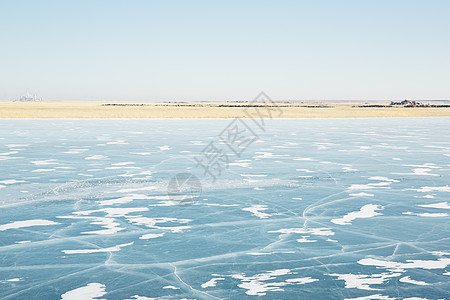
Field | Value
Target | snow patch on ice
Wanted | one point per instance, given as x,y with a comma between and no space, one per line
75,151
367,211
256,210
11,181
378,185
267,155
349,169
27,223
427,215
427,189
151,236
43,170
441,205
258,284
363,281
152,222
96,157
440,263
408,279
164,148
362,195
171,287
304,239
45,162
419,172
212,282
313,231
380,178
91,291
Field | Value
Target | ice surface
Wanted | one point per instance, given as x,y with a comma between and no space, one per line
314,209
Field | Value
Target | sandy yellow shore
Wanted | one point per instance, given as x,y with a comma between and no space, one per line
87,109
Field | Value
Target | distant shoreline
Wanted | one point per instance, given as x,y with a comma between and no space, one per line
108,109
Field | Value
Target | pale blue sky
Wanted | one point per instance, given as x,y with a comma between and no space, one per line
225,50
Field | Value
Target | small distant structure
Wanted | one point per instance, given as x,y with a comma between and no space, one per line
408,103
28,97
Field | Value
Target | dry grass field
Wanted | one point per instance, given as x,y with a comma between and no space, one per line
89,109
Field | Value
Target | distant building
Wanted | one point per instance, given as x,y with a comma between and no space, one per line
407,103
29,97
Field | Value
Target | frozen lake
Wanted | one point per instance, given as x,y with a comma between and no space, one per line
223,209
